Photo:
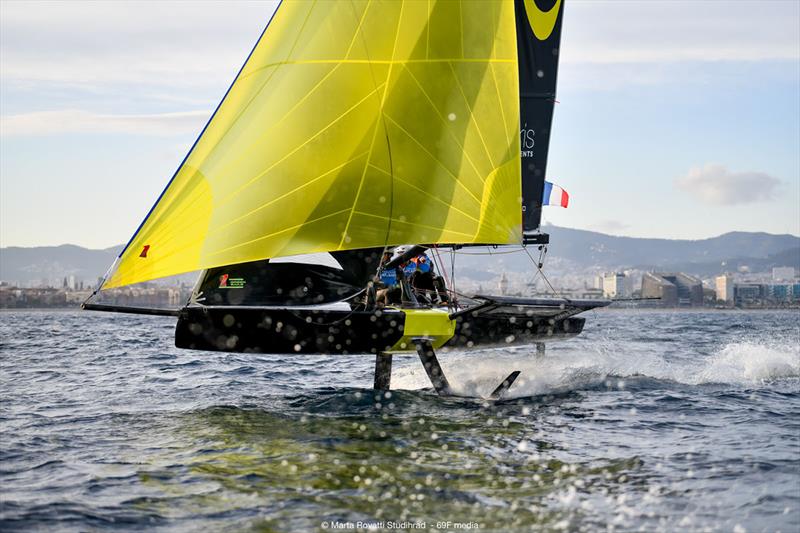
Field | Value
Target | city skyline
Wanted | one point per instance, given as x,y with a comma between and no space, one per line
667,126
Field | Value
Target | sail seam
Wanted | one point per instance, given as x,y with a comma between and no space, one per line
269,130
375,130
472,117
500,105
390,119
426,193
382,61
441,230
264,84
442,118
296,226
287,194
284,158
310,92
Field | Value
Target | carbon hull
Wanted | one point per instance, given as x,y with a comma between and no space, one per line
331,331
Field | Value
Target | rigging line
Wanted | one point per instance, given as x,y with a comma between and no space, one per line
440,266
102,280
453,276
552,289
491,253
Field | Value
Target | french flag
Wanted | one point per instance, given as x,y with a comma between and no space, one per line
554,195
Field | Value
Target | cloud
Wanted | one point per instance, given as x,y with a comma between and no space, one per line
604,32
610,226
158,43
79,121
715,184
98,46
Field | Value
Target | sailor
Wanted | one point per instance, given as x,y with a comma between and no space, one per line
422,280
389,286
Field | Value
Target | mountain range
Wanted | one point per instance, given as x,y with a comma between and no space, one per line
571,251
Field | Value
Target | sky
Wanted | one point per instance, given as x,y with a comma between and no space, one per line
675,119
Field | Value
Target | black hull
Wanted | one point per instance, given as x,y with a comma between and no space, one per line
285,330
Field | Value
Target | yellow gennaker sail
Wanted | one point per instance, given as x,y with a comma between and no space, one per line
353,124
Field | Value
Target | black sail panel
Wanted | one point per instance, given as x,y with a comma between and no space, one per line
265,283
538,41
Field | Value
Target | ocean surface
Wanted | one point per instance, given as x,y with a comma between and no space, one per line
649,421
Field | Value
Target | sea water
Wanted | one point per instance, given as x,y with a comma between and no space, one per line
654,421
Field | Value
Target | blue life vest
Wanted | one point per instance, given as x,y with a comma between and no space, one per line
424,266
389,277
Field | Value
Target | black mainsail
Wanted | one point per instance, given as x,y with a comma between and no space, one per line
538,25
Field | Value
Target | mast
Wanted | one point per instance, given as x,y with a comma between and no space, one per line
538,24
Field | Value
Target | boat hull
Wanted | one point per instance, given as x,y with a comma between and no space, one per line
326,331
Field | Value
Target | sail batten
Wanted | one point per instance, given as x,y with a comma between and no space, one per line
351,125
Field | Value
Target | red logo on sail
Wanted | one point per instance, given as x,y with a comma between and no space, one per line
145,250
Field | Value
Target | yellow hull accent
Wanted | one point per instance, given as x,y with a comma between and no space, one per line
434,325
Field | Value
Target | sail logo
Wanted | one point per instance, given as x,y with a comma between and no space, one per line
144,251
542,22
227,282
526,141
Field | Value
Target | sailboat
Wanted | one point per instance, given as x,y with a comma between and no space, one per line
356,137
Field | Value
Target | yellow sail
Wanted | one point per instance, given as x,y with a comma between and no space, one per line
352,124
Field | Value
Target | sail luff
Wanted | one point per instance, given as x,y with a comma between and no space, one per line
351,125
183,162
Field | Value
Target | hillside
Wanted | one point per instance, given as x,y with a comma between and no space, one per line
571,252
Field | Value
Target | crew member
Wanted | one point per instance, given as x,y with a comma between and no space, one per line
389,290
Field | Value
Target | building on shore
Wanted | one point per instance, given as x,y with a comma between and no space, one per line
674,289
783,274
724,289
502,286
615,285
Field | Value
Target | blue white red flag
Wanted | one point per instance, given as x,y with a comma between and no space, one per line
554,195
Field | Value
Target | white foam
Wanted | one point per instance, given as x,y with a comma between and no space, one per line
750,362
580,366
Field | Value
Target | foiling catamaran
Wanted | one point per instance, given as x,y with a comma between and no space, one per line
352,128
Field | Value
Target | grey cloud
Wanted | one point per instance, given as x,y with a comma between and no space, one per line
715,184
610,226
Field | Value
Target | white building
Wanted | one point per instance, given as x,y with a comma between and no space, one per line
724,286
615,285
503,285
783,274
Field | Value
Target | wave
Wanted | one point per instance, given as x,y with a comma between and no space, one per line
751,362
606,365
